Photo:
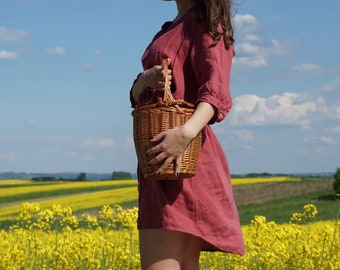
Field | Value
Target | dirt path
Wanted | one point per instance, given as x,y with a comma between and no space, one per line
261,193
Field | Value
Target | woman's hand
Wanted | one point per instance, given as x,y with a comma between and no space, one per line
172,144
153,78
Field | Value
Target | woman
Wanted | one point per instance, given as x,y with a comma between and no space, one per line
179,218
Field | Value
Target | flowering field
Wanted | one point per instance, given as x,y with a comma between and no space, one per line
26,189
257,180
81,196
86,201
54,238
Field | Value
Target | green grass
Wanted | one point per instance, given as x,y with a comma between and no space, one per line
281,210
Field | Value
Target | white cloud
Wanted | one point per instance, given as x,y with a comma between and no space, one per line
334,112
254,51
279,48
252,38
327,140
98,52
31,123
320,142
13,35
246,62
247,48
128,145
55,51
307,68
245,23
258,53
6,55
243,134
332,86
88,66
87,143
333,130
286,109
57,138
106,142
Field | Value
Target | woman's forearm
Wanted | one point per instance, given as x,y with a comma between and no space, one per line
138,87
201,117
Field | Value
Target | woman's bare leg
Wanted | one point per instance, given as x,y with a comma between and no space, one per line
192,255
167,250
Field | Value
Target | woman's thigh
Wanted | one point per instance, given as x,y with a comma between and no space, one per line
163,249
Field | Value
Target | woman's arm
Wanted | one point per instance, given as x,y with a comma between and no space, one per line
138,87
201,117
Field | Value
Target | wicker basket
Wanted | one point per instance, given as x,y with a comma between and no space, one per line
150,120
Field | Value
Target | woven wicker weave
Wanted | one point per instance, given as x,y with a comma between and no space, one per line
150,120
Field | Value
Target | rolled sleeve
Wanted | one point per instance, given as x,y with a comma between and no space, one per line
222,104
212,72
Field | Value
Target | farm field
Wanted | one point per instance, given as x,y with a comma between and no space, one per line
18,190
277,201
252,196
56,239
92,225
82,196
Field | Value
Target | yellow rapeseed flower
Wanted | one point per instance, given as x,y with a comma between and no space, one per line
55,239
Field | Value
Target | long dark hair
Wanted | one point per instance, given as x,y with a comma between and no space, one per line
216,12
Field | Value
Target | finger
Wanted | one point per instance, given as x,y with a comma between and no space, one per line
156,150
153,151
178,165
159,158
166,163
158,137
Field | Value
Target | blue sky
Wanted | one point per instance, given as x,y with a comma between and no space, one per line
66,68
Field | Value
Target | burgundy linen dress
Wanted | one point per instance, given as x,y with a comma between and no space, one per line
204,204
